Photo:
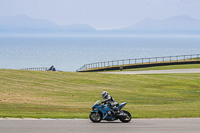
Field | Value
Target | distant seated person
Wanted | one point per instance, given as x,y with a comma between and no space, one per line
52,68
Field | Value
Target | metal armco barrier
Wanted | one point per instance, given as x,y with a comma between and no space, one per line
36,69
139,61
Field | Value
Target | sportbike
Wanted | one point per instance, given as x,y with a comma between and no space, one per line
105,112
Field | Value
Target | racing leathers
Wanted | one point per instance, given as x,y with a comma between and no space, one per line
112,102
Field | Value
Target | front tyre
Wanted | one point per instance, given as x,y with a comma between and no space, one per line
126,118
95,117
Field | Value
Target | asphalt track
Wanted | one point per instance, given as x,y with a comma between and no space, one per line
182,125
157,71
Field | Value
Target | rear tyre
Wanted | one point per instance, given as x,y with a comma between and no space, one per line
127,118
95,117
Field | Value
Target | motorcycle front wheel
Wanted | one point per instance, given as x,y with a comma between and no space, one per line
95,117
127,118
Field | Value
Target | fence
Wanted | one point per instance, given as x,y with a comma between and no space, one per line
36,69
139,61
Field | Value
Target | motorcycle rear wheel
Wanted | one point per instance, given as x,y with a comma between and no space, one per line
127,119
95,117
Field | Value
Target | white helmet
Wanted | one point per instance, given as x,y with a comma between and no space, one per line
104,94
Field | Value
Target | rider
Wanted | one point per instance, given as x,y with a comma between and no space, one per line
110,100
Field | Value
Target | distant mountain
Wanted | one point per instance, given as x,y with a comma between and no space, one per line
25,24
22,24
173,24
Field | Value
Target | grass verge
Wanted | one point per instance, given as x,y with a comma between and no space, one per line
167,67
34,94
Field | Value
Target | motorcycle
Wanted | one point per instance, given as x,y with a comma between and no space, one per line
105,112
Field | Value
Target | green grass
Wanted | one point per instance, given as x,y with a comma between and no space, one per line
34,94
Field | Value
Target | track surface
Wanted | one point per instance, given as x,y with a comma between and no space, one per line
158,71
183,125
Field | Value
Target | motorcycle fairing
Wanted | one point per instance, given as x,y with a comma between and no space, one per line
121,105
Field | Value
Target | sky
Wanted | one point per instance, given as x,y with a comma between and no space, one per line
100,14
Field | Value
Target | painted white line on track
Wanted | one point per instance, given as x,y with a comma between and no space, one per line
88,119
38,119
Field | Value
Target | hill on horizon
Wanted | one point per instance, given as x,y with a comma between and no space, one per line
27,25
23,23
176,23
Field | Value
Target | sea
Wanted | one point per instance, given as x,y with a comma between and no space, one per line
69,53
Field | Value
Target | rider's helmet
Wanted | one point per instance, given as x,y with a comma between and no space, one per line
104,94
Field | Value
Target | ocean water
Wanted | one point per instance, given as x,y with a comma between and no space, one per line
71,53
